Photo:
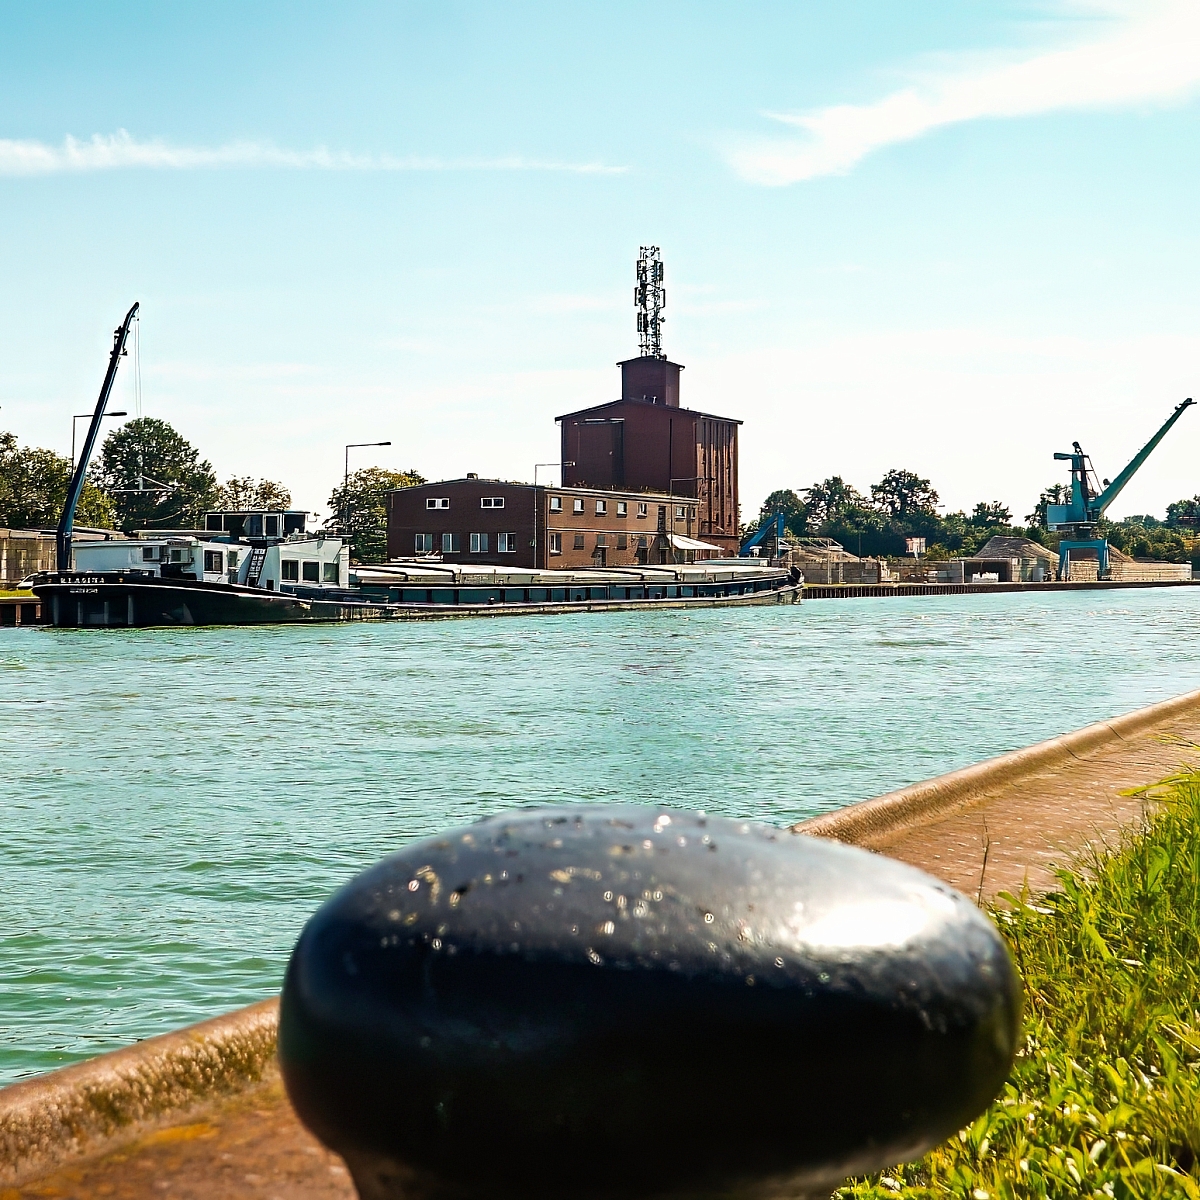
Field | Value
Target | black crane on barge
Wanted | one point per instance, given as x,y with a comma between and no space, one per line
66,523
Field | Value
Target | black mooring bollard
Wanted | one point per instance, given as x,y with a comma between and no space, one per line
631,1002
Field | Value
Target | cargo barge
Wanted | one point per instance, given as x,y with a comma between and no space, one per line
400,591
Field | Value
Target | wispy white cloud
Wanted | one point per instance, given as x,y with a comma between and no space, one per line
1148,53
110,152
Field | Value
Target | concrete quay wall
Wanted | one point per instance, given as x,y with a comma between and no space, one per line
853,591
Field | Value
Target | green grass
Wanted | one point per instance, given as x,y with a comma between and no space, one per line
1104,1098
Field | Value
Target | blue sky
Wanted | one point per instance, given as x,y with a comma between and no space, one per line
951,237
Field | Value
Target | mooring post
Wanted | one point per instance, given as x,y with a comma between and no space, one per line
628,1002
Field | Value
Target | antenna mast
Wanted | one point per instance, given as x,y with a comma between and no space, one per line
650,298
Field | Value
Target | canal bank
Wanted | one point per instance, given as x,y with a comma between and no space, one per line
202,1110
881,591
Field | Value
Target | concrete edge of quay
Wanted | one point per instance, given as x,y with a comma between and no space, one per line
122,1095
858,591
107,1102
870,822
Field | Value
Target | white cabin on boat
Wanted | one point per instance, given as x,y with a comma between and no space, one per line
268,550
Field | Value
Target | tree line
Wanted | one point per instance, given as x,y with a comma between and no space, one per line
148,476
904,505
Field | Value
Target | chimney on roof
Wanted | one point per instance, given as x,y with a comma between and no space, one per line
653,379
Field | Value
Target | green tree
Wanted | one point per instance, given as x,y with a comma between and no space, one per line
1183,512
1146,537
33,490
1056,493
359,510
244,493
156,477
988,515
833,499
900,494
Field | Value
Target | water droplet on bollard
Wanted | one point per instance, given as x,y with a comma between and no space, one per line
792,1011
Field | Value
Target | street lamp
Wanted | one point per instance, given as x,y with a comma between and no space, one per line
536,505
77,417
346,477
549,464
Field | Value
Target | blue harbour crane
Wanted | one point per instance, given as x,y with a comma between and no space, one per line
773,525
1080,517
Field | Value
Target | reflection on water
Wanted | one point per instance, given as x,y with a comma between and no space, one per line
176,802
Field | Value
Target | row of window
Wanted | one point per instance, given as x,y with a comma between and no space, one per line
480,543
484,502
292,570
506,543
622,542
577,504
556,505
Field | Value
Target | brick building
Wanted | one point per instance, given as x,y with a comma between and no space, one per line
645,440
517,525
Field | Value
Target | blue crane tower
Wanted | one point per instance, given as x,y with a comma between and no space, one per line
1080,517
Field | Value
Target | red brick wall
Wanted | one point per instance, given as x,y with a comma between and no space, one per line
409,515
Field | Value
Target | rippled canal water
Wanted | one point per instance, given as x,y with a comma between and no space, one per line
175,803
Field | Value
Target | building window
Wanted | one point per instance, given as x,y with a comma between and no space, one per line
641,510
438,502
680,512
506,543
556,543
312,572
272,525
491,502
622,508
449,543
641,542
622,542
579,541
289,569
149,553
214,561
556,504
233,559
601,507
479,543
424,543
331,574
577,506
601,541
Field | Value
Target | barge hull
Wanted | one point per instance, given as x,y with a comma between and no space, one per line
105,602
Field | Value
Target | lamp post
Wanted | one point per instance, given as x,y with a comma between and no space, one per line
535,503
346,479
77,417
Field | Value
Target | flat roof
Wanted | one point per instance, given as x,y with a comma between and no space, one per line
695,412
550,487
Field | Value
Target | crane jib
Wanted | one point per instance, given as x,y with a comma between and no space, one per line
67,521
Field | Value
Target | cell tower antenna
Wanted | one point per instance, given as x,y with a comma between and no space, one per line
650,298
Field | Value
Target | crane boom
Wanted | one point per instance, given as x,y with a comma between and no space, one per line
1111,492
66,522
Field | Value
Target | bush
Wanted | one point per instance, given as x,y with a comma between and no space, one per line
1104,1099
